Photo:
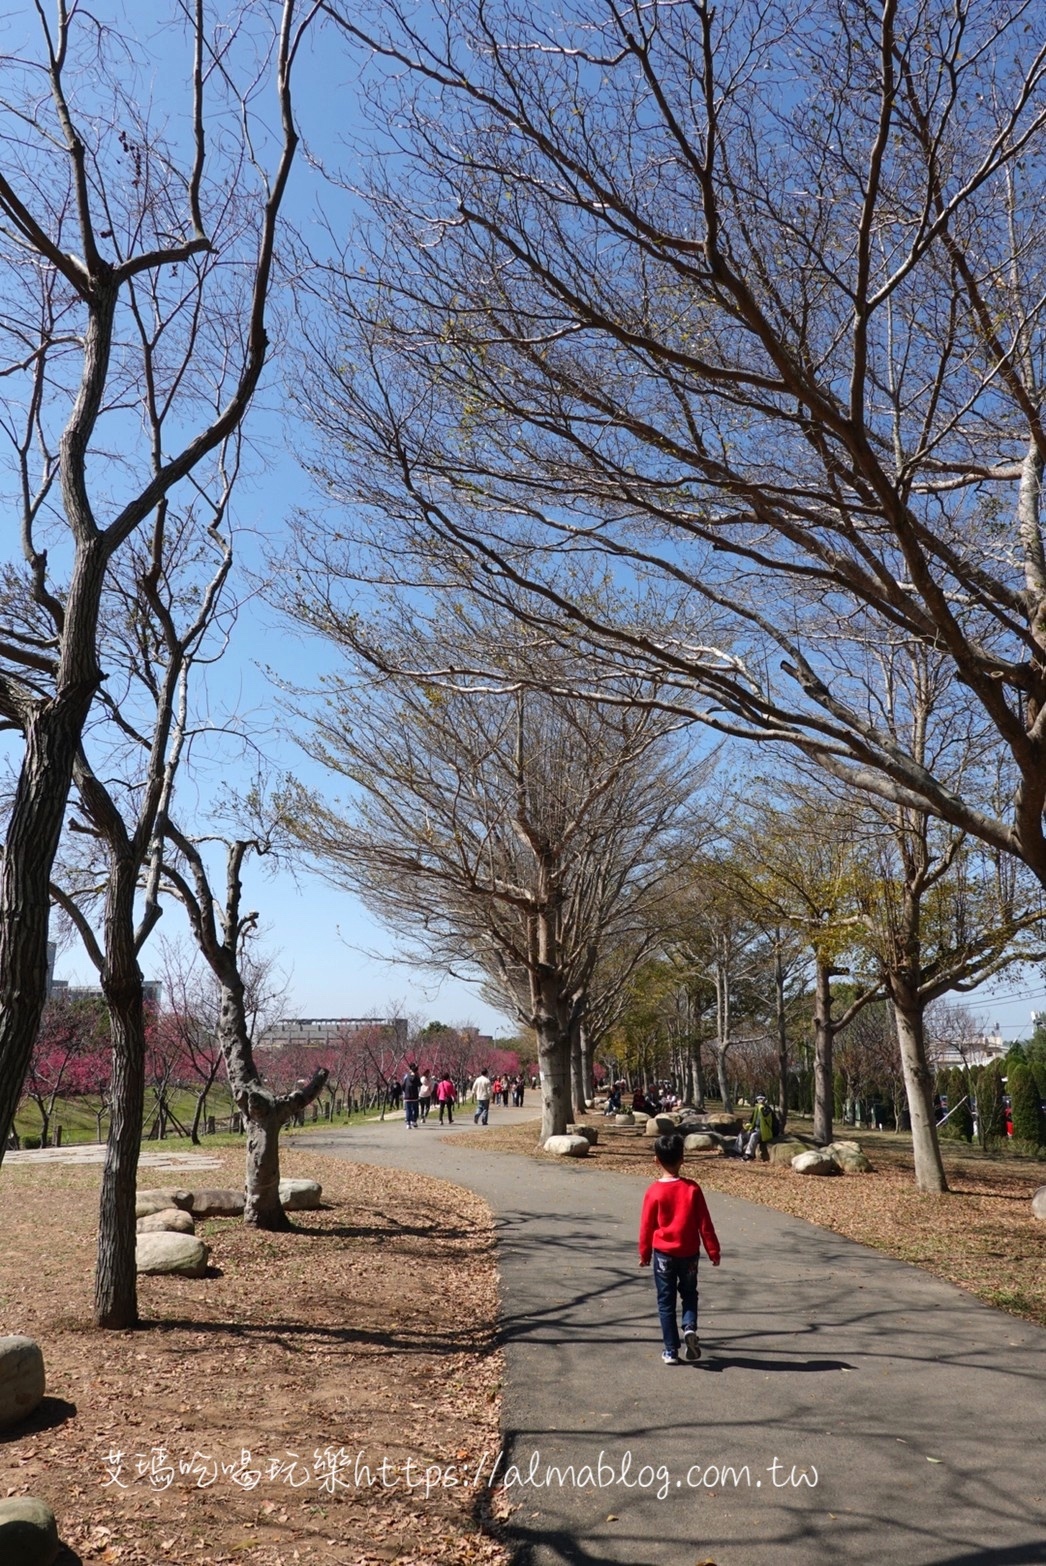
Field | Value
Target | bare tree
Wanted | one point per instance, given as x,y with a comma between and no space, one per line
506,832
136,265
220,928
752,306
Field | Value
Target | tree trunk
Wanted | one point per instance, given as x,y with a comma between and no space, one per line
782,1038
263,1209
724,1082
577,1070
918,1083
554,1064
45,1123
25,878
52,735
264,1114
588,1078
824,1041
116,1278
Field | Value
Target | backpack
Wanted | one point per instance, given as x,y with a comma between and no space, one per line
775,1122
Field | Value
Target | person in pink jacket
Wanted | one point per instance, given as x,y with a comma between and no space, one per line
446,1098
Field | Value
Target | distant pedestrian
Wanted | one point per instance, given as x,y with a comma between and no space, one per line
446,1096
481,1092
675,1222
411,1089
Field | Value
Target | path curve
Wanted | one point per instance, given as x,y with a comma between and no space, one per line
922,1411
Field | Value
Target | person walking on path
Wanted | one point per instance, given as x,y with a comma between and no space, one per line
481,1091
424,1096
675,1222
411,1091
445,1098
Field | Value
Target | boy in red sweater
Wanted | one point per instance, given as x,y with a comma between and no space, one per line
674,1223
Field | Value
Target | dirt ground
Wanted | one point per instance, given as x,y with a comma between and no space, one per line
267,1413
981,1236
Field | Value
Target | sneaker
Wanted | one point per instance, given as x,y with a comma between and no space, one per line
668,1358
692,1348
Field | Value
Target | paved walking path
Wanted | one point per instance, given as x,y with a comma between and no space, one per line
921,1413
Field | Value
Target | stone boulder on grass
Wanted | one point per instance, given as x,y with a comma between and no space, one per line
590,1133
169,1220
218,1204
300,1195
786,1148
28,1532
627,1119
159,1201
815,1162
21,1380
849,1157
162,1252
568,1146
702,1142
661,1125
1038,1204
717,1120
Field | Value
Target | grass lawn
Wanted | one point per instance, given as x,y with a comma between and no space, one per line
981,1236
79,1122
367,1334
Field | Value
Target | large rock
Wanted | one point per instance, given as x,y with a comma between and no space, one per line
787,1148
815,1162
1038,1203
661,1125
21,1381
718,1120
626,1119
568,1146
590,1133
28,1532
702,1142
175,1253
170,1220
300,1195
158,1201
849,1157
218,1204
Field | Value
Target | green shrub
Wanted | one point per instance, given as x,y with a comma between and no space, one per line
30,1142
1024,1105
991,1124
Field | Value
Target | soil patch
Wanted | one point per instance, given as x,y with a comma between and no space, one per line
267,1413
981,1236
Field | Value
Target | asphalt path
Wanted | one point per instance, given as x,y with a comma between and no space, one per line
847,1408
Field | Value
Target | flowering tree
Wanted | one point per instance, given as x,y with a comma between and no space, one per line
65,1054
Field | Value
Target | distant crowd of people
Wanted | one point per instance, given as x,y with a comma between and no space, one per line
417,1090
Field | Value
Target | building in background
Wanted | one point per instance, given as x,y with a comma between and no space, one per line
305,1032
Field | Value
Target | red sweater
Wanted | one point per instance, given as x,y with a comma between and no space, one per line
676,1219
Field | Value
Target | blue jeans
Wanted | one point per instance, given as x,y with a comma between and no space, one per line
675,1275
410,1109
482,1112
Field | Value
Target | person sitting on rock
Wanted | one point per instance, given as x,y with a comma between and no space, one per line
758,1132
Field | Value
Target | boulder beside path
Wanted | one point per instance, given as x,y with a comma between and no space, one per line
568,1146
22,1380
28,1532
163,1252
